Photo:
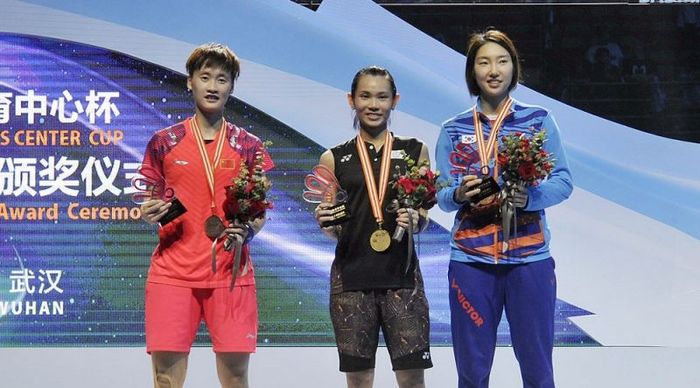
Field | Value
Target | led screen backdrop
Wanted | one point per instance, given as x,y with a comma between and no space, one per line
83,87
75,255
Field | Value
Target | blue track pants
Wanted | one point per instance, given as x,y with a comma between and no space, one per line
479,293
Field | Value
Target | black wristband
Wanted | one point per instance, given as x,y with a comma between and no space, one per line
251,233
422,223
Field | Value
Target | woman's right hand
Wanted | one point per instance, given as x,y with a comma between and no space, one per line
322,214
466,189
153,210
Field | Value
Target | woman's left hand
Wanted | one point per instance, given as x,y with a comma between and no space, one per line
518,196
236,228
406,214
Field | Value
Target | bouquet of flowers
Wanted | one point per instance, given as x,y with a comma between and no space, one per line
524,163
523,160
416,189
246,200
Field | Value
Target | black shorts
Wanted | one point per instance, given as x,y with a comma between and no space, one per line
402,315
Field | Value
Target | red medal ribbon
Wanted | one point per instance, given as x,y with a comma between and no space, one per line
376,197
488,148
209,166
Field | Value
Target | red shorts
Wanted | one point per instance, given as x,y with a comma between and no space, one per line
173,315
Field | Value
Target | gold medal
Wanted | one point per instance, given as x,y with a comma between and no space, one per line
380,240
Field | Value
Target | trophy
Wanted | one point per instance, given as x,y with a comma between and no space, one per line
150,184
322,186
487,187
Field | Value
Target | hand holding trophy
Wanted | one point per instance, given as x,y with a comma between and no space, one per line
151,186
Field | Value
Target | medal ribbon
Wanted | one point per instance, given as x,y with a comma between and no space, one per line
486,150
376,197
209,167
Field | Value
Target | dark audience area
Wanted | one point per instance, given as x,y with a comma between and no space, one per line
637,65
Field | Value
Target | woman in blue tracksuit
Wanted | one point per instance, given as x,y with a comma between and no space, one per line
487,276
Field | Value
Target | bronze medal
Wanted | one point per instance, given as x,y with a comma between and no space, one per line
380,240
214,227
485,171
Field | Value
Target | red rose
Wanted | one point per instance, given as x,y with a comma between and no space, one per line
525,144
502,159
407,185
527,170
229,193
546,167
430,193
256,208
231,208
249,187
